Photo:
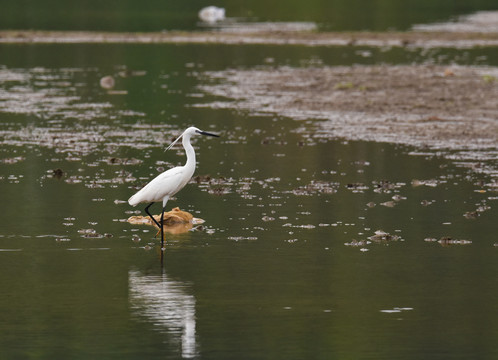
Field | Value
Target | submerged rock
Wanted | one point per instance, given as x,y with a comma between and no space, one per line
175,216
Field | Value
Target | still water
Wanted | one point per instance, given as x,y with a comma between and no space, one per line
286,265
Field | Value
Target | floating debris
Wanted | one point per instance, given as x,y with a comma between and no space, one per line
430,183
87,231
357,243
396,310
176,221
389,204
447,240
57,173
385,186
357,187
129,73
214,185
219,191
267,218
316,187
90,233
107,82
125,161
380,236
242,238
471,215
12,160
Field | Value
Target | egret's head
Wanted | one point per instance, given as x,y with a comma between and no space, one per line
189,132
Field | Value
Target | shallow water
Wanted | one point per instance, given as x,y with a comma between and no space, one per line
287,264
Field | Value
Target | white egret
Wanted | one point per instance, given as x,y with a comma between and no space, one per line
168,183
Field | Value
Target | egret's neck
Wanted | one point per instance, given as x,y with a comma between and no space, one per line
189,150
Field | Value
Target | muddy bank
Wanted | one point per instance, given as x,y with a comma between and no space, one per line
434,107
425,39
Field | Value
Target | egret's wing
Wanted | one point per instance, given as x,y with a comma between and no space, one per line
166,183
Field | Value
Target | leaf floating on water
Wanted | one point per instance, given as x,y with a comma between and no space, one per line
385,186
396,310
241,238
90,233
398,198
267,218
430,183
471,215
124,161
381,235
357,187
447,240
316,187
356,243
388,204
219,191
214,186
13,160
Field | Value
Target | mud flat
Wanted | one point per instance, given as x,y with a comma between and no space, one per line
440,108
254,35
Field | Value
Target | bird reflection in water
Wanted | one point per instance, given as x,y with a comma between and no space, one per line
166,304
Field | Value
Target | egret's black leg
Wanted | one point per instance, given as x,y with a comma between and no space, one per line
162,229
148,213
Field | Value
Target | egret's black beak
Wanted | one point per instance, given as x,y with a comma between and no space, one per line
208,134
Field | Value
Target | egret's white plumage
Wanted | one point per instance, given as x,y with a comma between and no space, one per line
168,183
